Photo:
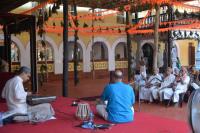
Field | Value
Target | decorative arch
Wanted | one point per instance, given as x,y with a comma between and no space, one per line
99,39
83,46
116,63
52,45
71,39
149,41
117,42
149,60
89,49
50,42
19,45
143,42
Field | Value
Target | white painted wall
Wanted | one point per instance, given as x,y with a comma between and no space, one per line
71,39
55,52
22,50
112,52
89,49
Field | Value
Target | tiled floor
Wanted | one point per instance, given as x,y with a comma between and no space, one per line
94,87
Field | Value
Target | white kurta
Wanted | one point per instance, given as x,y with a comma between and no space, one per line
145,93
180,88
158,92
139,81
143,71
15,95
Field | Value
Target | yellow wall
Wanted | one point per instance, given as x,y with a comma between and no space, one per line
134,47
57,37
184,50
107,21
24,37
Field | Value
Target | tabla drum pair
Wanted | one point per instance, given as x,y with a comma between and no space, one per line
83,111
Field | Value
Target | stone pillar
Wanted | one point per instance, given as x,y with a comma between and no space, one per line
111,60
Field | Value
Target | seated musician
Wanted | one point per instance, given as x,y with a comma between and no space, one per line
15,96
120,100
180,85
167,83
153,82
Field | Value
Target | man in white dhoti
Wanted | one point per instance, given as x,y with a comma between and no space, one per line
15,96
153,82
167,82
180,86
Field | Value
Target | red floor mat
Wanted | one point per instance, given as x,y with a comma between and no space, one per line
66,123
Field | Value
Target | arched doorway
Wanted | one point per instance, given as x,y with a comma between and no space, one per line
121,51
148,56
15,57
121,56
99,56
71,52
45,56
71,56
100,51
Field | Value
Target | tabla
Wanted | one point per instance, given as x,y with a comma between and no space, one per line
83,111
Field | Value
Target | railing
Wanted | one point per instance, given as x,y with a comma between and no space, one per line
71,66
121,64
151,19
99,65
15,66
50,66
164,17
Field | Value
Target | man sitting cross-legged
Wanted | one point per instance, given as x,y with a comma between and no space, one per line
179,86
120,99
16,97
153,82
167,82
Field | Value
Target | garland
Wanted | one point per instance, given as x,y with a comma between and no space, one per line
112,29
195,25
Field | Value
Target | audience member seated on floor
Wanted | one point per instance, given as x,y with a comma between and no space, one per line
180,85
120,99
167,82
15,96
3,66
153,82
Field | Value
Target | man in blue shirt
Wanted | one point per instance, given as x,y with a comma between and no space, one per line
120,99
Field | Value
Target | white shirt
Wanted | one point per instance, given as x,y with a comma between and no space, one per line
154,79
15,95
184,86
167,81
143,71
139,80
